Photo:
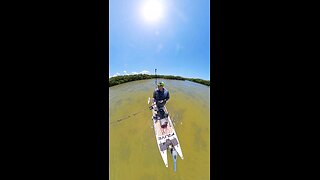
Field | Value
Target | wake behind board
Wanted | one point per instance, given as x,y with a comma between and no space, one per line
165,135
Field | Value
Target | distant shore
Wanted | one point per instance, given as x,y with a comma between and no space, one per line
128,78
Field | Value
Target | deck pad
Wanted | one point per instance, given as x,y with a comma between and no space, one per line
162,131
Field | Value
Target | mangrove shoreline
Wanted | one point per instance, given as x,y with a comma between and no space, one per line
128,78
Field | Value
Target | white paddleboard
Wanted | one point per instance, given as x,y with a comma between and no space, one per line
165,135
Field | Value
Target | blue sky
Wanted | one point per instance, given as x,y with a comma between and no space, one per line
175,42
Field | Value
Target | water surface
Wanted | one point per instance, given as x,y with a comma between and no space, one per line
133,152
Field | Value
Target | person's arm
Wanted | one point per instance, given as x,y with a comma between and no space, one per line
168,96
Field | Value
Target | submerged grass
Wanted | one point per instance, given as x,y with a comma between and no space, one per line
133,152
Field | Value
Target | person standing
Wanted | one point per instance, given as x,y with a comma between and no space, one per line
161,95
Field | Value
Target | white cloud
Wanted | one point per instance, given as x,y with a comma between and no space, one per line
117,74
126,73
144,72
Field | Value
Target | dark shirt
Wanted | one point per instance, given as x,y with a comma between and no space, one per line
161,95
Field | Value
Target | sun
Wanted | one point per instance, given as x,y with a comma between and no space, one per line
152,10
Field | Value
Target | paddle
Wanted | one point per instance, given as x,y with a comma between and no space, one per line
155,72
174,155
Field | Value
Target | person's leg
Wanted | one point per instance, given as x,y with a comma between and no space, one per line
159,107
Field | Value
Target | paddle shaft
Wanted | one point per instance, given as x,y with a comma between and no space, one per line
155,72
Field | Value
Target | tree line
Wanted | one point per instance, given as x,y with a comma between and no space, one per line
127,78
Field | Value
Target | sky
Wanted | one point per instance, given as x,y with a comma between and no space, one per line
172,36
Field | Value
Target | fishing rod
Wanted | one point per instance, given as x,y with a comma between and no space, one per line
131,115
119,120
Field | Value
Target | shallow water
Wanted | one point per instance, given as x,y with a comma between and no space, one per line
133,152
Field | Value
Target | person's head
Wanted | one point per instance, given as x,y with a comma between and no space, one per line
160,85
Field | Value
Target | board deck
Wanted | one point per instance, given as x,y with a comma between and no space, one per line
165,135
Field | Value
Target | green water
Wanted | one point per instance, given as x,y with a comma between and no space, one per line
133,152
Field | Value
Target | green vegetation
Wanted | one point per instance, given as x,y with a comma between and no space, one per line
127,78
200,81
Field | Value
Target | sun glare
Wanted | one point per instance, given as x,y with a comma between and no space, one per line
152,10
